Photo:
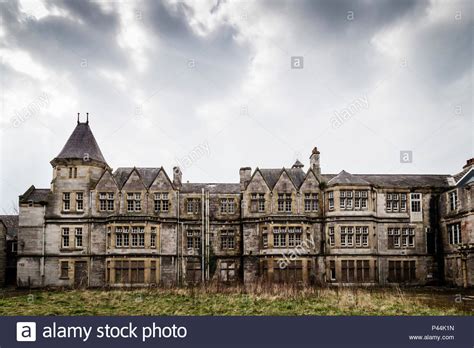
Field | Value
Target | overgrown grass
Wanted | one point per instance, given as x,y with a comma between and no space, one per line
255,300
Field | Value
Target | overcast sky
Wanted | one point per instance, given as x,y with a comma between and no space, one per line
210,85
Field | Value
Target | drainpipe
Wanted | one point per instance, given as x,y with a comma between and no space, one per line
207,237
178,225
44,246
202,236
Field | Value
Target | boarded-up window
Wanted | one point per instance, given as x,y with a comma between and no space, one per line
286,272
153,272
193,270
401,271
64,270
138,272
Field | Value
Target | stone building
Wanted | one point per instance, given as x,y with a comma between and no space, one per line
10,225
140,226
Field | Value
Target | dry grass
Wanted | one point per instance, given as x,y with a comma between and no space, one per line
258,299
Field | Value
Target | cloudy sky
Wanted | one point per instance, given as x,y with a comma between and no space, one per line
210,85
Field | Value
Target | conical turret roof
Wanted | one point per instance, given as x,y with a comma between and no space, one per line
81,145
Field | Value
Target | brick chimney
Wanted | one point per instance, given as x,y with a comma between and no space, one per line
469,163
245,175
314,161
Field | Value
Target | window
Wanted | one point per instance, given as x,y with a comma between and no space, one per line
332,270
284,202
137,272
161,202
129,272
228,271
279,237
106,201
310,202
126,236
72,172
134,201
362,236
331,200
293,272
401,271
347,270
118,237
78,237
395,202
193,270
193,239
227,239
65,237
401,237
227,206
332,237
360,201
287,236
362,271
454,234
193,205
408,237
347,236
264,237
152,272
153,237
416,202
64,270
453,200
79,201
346,200
138,236
66,201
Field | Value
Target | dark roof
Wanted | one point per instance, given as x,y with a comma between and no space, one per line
296,175
460,175
147,175
270,176
35,195
11,223
211,187
401,180
81,144
466,179
121,175
345,178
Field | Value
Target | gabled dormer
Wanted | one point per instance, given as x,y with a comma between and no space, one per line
134,194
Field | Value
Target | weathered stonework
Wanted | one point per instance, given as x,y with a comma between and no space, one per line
139,227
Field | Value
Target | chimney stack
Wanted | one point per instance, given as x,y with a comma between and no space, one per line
314,161
177,177
245,176
469,163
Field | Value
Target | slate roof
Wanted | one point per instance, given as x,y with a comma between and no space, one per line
11,223
345,178
460,175
121,175
211,187
147,175
81,143
35,195
401,180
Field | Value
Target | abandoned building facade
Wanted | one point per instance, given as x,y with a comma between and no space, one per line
139,226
